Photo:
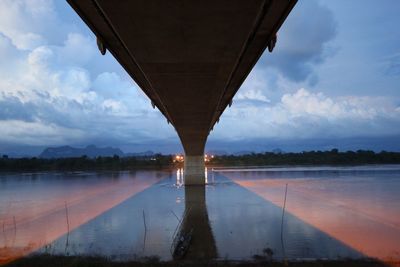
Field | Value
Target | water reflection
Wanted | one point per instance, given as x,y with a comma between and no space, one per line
246,226
229,221
179,177
210,176
194,235
359,206
36,209
196,222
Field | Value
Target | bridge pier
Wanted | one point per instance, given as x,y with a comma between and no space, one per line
194,170
193,81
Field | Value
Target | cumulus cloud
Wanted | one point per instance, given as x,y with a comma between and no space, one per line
53,93
67,99
303,103
56,89
254,89
253,95
304,114
303,41
76,50
26,23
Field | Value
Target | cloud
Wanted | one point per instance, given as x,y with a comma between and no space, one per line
13,109
64,100
304,114
77,50
40,56
305,103
26,23
253,95
303,41
56,89
36,133
60,90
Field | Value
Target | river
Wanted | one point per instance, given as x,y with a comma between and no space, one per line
330,213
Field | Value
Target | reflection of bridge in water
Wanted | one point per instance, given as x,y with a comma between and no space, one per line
194,238
236,220
194,226
189,57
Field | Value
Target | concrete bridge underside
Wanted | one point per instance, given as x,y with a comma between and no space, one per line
189,57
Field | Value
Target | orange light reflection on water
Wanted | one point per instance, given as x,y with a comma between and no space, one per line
359,221
30,222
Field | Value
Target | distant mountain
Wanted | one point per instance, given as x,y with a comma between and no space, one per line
91,151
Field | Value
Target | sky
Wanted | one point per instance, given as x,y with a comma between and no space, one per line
333,81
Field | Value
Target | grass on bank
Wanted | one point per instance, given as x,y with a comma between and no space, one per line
78,261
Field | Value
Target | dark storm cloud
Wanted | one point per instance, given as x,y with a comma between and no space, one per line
12,108
302,42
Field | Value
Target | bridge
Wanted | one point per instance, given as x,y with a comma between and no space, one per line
188,57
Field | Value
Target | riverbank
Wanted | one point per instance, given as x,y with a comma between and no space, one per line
64,261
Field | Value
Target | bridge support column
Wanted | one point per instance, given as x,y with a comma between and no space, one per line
194,170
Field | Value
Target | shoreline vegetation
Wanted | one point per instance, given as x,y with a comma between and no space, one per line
159,161
81,261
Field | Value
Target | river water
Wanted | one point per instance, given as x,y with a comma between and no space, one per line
330,213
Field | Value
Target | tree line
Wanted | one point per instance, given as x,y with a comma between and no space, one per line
84,163
332,157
